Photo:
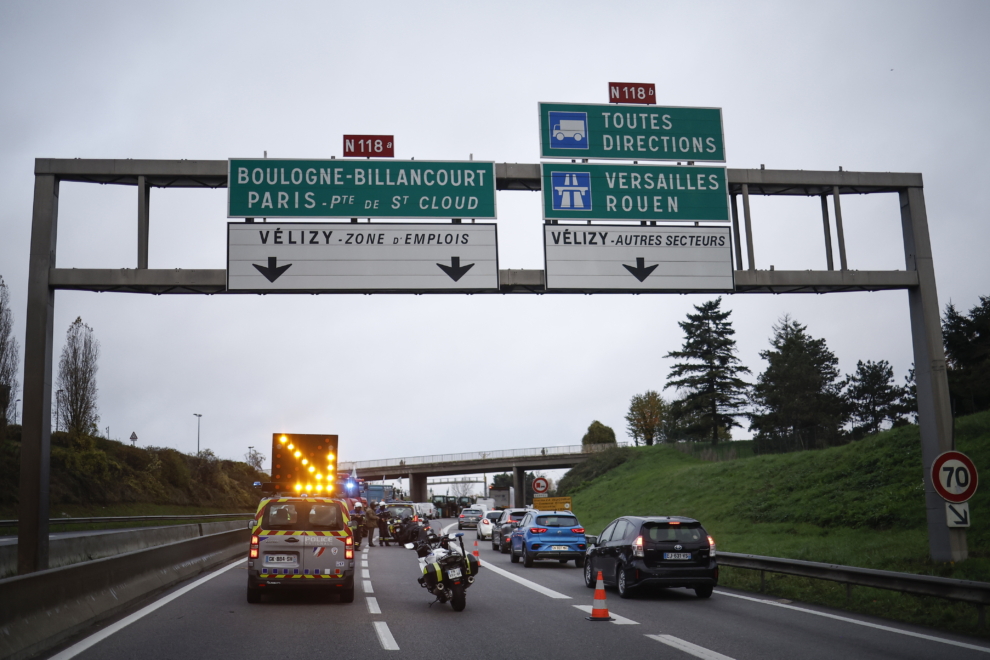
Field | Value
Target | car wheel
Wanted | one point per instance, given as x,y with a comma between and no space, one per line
625,591
494,544
527,558
253,595
703,592
590,580
579,562
512,555
459,526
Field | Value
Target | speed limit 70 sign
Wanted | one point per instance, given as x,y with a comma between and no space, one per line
954,476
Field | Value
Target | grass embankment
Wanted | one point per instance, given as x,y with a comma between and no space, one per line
93,476
861,504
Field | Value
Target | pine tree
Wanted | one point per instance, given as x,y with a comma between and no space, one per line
909,398
967,354
873,397
77,379
9,357
798,398
707,371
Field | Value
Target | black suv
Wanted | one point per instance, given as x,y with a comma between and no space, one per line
504,527
665,551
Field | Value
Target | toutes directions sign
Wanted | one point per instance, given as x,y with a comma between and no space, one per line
582,191
651,258
356,257
576,130
273,188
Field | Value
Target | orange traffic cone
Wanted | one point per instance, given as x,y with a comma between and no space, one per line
475,553
599,611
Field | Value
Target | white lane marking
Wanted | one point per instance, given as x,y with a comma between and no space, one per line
619,620
364,563
367,587
526,583
385,636
365,573
877,626
446,530
688,647
373,605
96,638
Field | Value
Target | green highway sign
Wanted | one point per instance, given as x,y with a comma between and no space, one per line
581,130
583,191
286,188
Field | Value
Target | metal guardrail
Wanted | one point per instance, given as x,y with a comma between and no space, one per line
125,519
478,456
967,591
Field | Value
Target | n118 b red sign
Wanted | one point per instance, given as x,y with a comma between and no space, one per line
632,93
375,146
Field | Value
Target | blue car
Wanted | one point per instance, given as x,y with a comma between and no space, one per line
548,535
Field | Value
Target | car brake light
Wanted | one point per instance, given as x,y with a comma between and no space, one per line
537,530
462,515
349,547
254,553
578,530
711,546
637,547
254,540
674,522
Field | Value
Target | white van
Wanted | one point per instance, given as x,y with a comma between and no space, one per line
426,510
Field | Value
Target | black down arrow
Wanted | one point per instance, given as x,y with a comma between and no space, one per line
272,272
640,271
455,270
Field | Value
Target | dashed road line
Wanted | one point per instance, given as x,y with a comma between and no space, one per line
365,573
688,647
619,620
366,585
877,626
385,636
373,605
526,583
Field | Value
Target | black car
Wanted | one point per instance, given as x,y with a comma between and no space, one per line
504,527
665,551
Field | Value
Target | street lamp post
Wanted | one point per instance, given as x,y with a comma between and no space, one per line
198,417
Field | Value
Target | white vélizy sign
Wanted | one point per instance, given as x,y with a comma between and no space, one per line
637,258
353,257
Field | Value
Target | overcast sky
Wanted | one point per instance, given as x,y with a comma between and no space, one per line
868,86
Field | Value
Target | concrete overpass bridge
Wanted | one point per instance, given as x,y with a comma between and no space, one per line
518,461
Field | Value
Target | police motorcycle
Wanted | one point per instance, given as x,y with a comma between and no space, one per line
448,570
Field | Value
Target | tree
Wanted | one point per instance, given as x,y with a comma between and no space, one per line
9,358
461,489
873,397
77,379
798,399
646,416
598,434
708,371
255,459
967,354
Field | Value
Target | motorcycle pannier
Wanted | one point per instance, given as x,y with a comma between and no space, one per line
472,565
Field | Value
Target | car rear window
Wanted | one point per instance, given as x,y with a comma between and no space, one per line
557,521
303,517
471,512
667,532
517,515
493,515
400,511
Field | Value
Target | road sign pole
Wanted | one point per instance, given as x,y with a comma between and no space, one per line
934,411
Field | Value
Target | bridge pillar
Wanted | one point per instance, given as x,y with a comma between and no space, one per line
417,487
519,485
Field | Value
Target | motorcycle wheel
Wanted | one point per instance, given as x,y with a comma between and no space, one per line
458,598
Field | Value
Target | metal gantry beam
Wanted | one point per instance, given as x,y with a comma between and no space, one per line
935,419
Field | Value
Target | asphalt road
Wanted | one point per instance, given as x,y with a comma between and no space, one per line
511,612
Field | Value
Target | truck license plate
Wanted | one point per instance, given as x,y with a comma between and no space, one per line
454,573
279,559
677,555
559,547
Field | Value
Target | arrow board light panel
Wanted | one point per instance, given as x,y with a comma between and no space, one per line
637,258
361,257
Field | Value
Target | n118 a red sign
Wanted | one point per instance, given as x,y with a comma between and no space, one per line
375,146
632,93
